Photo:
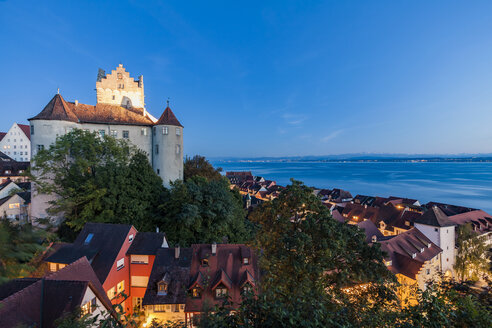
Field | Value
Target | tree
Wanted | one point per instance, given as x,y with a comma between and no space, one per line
471,260
19,244
200,166
202,211
99,180
318,272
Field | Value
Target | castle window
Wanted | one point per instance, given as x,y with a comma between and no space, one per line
102,133
158,171
165,130
144,131
154,129
126,134
120,76
178,149
178,131
114,97
114,133
40,147
157,149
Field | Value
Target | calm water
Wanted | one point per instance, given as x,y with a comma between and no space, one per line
465,184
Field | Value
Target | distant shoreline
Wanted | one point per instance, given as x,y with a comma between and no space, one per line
364,160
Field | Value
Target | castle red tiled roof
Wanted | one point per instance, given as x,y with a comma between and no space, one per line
61,110
168,118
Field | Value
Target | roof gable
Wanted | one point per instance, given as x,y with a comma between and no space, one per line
57,109
435,217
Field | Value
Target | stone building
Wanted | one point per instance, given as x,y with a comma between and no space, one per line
120,112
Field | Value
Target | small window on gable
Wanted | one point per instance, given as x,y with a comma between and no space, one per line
245,260
88,238
196,292
205,262
161,288
221,292
120,264
130,238
247,288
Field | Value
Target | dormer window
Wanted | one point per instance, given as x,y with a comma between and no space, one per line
247,288
196,292
221,292
414,255
161,288
205,262
374,239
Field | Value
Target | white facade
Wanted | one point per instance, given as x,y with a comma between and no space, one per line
16,144
444,237
168,152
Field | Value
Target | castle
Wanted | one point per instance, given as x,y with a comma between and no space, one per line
120,112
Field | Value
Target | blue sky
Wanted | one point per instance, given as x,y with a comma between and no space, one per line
268,78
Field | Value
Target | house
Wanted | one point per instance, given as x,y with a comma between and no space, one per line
414,259
436,226
480,221
11,170
219,271
166,293
39,302
120,112
108,247
16,142
141,255
16,207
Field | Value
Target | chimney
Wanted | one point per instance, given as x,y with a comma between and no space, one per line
176,252
76,102
214,248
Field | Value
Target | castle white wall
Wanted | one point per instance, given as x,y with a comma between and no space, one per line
168,162
444,237
16,144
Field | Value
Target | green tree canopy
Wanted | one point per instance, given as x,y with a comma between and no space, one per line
202,211
471,259
98,180
19,244
200,166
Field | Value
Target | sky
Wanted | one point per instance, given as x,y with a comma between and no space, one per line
268,78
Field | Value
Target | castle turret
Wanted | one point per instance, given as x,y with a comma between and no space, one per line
168,147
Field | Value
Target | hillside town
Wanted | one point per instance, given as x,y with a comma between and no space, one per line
146,276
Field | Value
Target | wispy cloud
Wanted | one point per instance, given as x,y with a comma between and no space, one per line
294,119
331,136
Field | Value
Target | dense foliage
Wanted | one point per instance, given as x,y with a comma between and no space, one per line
98,179
203,211
471,261
200,166
19,244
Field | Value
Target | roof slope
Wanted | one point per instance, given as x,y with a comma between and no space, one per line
26,129
176,273
59,109
435,217
146,243
168,118
2,134
102,249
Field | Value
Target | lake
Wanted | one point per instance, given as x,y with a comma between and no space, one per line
465,184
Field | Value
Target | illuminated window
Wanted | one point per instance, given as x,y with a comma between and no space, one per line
89,307
161,288
220,292
137,303
140,259
160,308
247,288
120,287
111,292
140,281
114,133
196,292
53,267
14,205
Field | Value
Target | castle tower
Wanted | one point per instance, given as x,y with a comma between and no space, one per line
118,88
436,226
167,136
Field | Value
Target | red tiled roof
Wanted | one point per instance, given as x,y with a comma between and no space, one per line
481,220
26,129
2,134
226,267
59,109
168,118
